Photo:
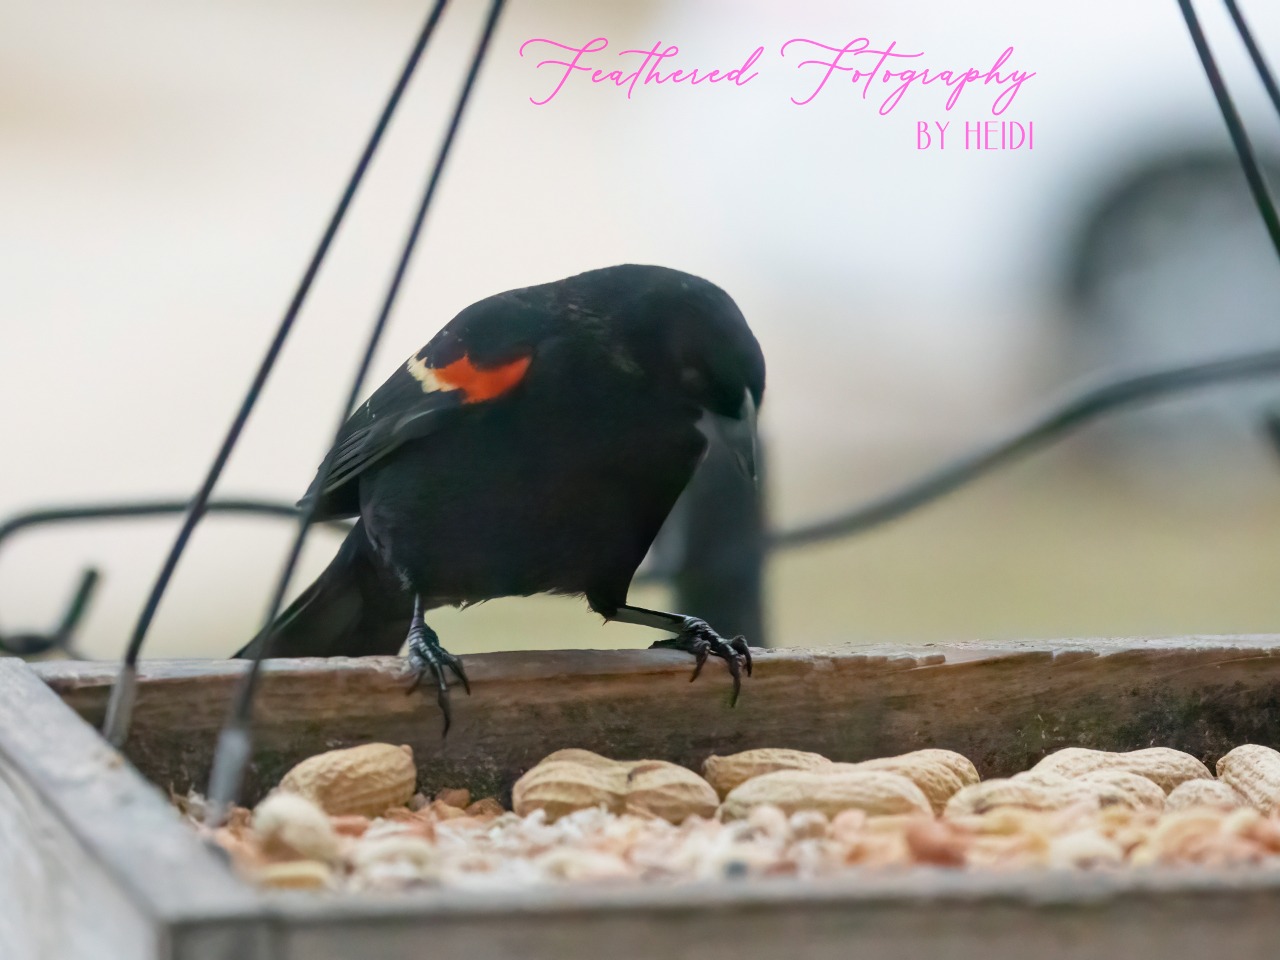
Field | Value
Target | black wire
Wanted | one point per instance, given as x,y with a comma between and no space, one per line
232,754
65,631
1252,171
120,706
140,508
1060,421
61,638
32,643
1255,53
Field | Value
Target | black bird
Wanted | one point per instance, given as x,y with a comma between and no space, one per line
535,445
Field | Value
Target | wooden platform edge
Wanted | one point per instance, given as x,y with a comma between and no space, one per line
1002,705
117,863
524,665
900,917
913,913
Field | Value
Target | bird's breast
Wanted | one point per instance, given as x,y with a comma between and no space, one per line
521,505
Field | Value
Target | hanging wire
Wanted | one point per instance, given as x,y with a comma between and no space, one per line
1075,412
61,638
123,692
1057,423
1255,53
234,740
137,508
1235,127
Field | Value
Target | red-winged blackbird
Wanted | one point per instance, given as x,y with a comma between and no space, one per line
535,445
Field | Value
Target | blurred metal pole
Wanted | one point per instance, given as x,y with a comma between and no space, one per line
719,526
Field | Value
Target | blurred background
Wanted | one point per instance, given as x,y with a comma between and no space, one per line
166,168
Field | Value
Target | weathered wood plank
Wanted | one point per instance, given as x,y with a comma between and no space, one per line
96,861
1004,706
46,875
902,916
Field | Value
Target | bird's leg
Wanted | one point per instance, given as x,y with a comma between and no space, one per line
692,636
426,654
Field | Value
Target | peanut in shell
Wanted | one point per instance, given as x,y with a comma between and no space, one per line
873,791
1254,771
656,788
1025,794
729,772
1123,789
1162,765
366,779
1214,794
562,787
939,773
586,758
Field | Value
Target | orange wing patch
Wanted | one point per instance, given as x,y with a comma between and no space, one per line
476,384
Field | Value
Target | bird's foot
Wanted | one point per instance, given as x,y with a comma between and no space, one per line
700,640
426,655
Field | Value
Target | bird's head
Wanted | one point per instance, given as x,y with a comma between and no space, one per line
693,342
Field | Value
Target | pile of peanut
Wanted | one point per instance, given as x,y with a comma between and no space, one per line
351,818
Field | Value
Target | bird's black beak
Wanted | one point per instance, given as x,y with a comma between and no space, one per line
737,433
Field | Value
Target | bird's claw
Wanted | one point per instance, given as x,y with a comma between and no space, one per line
700,640
427,656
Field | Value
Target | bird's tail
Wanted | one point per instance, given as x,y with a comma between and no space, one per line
355,608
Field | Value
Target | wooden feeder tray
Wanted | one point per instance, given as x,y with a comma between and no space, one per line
98,864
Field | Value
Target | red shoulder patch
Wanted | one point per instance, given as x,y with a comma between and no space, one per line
476,383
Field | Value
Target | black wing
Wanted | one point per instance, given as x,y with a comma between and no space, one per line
398,411
479,355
